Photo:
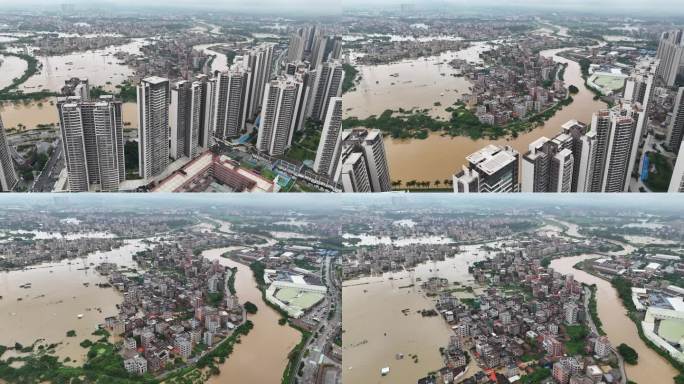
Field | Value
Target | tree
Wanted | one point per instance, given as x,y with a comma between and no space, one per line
250,307
628,353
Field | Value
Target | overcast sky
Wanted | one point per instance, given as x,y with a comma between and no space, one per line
618,7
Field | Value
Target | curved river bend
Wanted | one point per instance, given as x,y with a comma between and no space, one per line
420,83
652,368
261,356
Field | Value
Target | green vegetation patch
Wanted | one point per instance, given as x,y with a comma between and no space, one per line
659,179
577,335
417,123
350,74
628,353
251,308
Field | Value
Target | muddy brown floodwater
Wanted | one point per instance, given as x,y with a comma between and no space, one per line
651,368
376,328
42,112
261,356
420,83
59,293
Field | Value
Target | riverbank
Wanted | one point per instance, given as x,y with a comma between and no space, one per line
32,67
439,156
618,326
416,124
250,357
290,372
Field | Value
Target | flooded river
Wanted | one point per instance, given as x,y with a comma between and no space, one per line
59,293
261,357
419,83
376,330
43,112
11,68
652,368
98,66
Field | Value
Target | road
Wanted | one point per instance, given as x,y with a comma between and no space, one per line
327,330
50,173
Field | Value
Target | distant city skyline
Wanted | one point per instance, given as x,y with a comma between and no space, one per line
674,204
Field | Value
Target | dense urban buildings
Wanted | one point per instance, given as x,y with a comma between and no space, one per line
481,86
8,176
154,96
92,135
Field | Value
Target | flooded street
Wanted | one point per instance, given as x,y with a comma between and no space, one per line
420,84
251,362
376,330
59,293
652,368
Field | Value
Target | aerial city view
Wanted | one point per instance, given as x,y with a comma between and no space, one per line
271,191
140,290
551,289
337,96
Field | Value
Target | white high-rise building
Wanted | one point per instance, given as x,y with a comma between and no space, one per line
295,47
92,137
491,169
8,176
185,119
318,50
207,86
327,84
363,153
260,63
586,162
154,97
335,48
329,147
670,55
548,166
617,133
354,175
675,131
677,180
576,131
279,114
232,102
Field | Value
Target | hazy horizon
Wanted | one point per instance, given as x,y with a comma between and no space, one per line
400,201
637,8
